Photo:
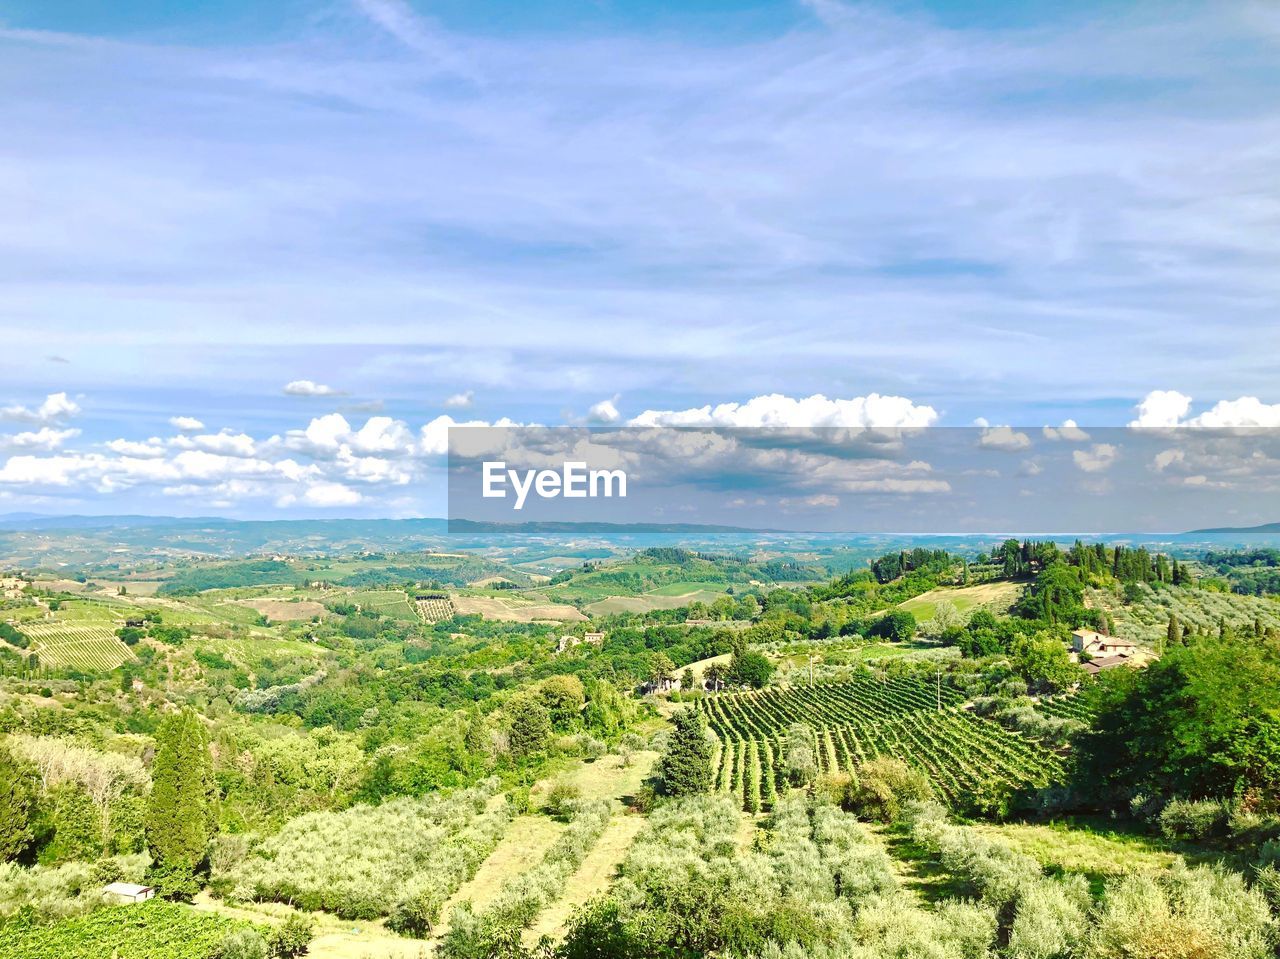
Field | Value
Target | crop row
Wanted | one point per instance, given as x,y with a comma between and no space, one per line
91,648
964,756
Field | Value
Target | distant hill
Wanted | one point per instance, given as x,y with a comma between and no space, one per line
1266,529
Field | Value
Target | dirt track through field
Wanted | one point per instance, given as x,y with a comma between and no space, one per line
593,877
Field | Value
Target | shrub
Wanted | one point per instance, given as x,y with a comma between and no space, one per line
1193,819
291,938
241,944
561,797
883,786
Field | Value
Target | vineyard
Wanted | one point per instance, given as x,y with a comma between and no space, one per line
967,759
91,648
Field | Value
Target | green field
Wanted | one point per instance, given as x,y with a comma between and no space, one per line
997,597
73,646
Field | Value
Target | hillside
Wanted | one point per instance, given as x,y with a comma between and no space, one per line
470,761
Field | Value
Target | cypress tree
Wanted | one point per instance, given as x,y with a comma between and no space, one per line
182,809
686,767
1173,636
17,805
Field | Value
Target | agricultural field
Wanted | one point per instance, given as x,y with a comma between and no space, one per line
434,609
654,599
386,602
964,756
1142,615
996,597
515,609
283,610
87,647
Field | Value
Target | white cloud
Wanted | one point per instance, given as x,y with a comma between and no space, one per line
56,406
775,409
606,411
147,449
330,495
816,501
46,438
187,424
1247,411
1162,408
310,388
1169,409
1004,438
1068,432
460,401
1097,458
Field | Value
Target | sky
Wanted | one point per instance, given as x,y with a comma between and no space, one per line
255,257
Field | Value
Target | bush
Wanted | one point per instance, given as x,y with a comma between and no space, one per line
561,797
1193,819
291,938
882,788
241,944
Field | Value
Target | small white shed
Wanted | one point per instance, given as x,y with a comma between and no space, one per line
128,892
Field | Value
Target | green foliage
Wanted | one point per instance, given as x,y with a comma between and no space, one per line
362,862
18,791
1203,721
748,668
895,627
686,766
149,930
182,811
883,787
530,725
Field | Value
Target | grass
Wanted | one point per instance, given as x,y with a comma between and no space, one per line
595,874
997,597
686,589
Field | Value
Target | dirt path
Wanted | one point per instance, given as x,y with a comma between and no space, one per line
526,841
597,871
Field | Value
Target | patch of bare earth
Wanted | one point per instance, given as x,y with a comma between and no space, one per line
281,611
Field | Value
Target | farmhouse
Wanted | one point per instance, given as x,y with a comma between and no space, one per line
128,892
1095,666
567,642
1100,644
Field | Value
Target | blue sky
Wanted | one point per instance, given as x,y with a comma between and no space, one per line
1019,212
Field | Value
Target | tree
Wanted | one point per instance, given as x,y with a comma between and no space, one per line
182,811
17,805
896,627
660,669
1173,634
530,725
564,697
1201,722
1043,661
749,669
686,766
687,681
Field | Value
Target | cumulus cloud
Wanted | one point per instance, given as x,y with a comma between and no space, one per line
775,409
1168,409
1097,458
310,388
1004,438
606,411
1068,432
185,423
460,401
1162,408
46,438
56,406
